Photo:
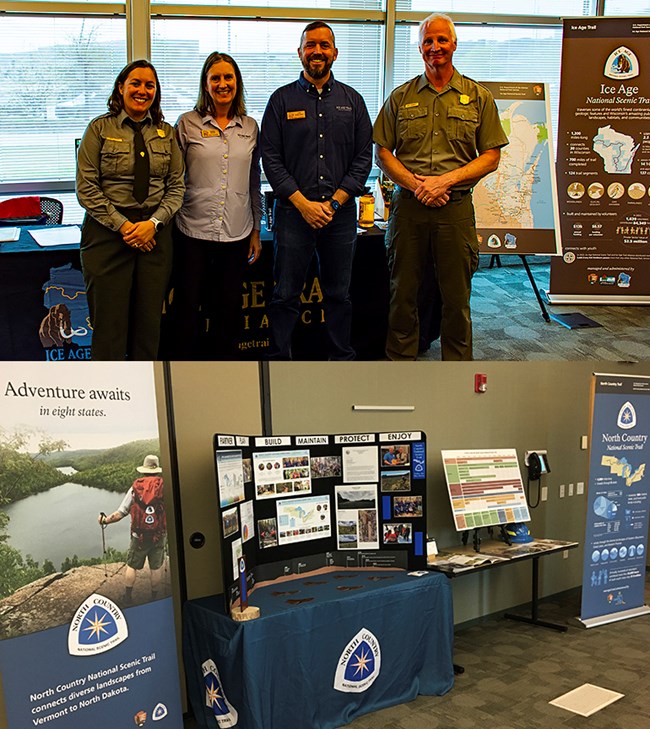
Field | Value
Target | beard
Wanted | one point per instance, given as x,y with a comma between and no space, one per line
317,72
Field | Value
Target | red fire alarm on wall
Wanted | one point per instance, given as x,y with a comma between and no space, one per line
480,383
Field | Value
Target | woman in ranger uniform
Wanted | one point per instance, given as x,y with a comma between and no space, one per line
130,182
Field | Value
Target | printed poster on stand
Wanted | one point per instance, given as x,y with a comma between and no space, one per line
603,163
87,634
617,504
516,206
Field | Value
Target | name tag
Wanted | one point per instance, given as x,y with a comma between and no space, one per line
412,104
161,133
296,114
210,133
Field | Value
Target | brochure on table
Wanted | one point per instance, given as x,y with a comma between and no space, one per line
294,503
616,536
78,648
485,487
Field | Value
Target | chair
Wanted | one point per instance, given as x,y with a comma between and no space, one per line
52,209
31,210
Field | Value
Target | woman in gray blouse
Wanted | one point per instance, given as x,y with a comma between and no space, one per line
217,231
130,182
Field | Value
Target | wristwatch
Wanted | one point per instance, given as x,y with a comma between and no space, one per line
157,223
335,204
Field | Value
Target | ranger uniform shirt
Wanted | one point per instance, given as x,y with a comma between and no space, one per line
105,164
433,132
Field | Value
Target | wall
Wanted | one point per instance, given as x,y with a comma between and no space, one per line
208,398
528,405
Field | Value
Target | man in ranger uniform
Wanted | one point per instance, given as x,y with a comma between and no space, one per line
436,136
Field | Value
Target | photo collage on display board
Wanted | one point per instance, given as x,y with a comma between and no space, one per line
354,499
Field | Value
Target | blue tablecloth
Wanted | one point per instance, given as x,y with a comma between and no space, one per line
25,269
278,672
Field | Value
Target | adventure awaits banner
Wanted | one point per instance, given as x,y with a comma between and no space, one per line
603,163
87,628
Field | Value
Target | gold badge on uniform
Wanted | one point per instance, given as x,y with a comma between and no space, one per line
210,133
161,133
412,104
464,99
296,114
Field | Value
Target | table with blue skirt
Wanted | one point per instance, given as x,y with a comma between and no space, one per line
326,649
43,291
43,305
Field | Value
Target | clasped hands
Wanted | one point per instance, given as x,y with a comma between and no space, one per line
432,191
139,235
316,214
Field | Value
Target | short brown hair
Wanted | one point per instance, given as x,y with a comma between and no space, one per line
314,26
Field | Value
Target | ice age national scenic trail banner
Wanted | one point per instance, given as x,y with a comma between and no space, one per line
87,633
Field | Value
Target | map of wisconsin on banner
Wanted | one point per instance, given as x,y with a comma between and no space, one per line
87,634
602,163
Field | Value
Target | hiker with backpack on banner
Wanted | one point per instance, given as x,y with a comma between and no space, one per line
144,502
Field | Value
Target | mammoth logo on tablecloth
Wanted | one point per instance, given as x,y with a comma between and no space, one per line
359,664
215,697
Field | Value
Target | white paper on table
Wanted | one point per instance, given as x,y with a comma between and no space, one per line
9,235
57,236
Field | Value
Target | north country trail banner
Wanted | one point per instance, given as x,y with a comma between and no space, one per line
616,531
87,634
603,163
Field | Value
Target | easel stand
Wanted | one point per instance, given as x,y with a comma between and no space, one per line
495,260
476,536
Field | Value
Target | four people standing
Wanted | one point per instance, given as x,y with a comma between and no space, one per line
436,136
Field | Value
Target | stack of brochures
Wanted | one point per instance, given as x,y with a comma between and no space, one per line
8,235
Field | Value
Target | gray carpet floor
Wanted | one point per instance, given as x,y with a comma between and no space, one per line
512,671
508,323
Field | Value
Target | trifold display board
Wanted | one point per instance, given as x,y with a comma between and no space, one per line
485,488
295,503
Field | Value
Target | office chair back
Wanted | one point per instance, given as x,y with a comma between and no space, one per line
52,209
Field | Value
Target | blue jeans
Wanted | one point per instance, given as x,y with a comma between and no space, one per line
294,244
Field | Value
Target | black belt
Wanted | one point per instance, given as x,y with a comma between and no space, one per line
136,215
454,195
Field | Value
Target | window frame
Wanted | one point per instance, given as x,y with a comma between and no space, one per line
139,13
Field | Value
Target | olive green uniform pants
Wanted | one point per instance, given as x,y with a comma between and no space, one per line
449,233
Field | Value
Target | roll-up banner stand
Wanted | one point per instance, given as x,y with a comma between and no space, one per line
603,163
616,533
87,634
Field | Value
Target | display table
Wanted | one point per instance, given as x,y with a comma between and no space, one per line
28,272
278,672
42,290
495,553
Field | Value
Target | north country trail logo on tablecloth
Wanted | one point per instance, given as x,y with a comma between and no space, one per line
97,626
626,416
359,664
215,697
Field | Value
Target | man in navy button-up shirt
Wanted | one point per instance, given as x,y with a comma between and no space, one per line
316,143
